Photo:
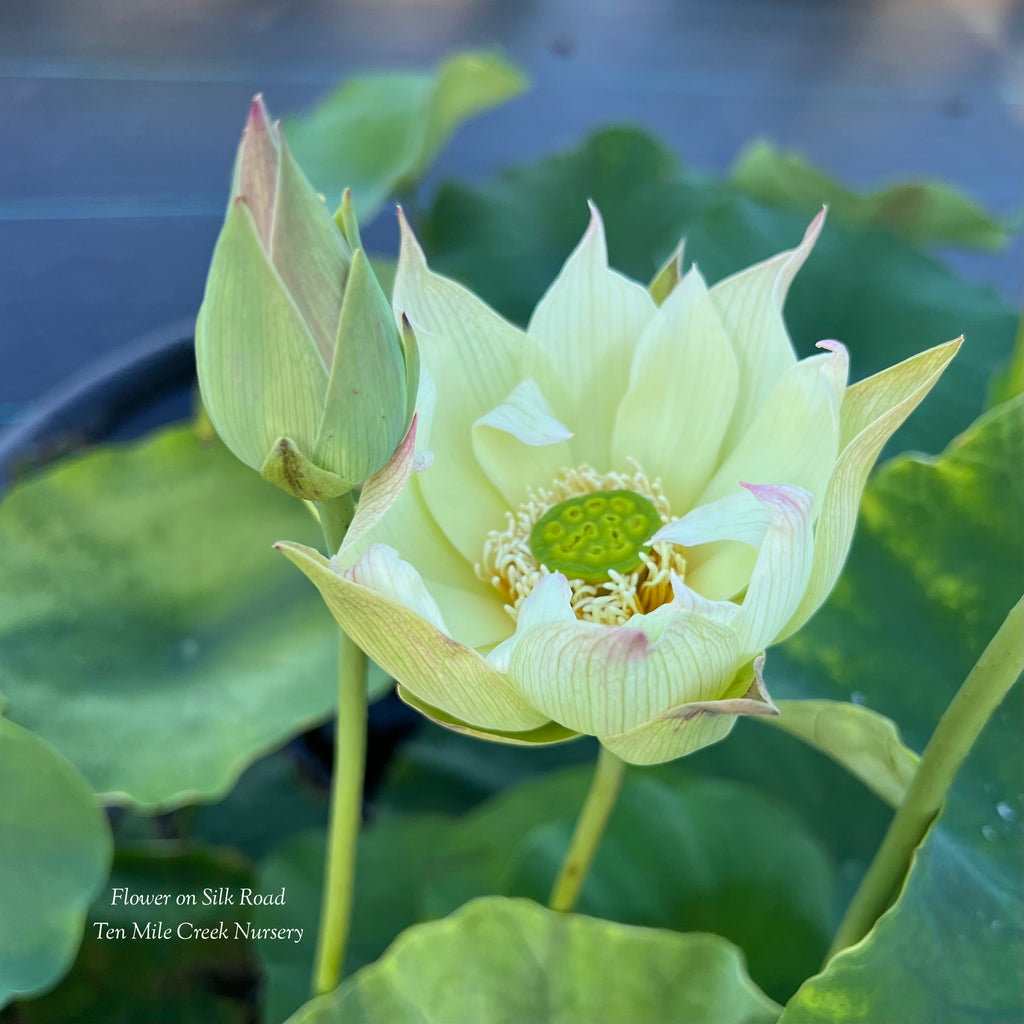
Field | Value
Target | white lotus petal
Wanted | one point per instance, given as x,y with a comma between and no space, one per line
520,444
782,569
420,655
381,491
549,601
795,437
688,600
589,322
687,728
750,305
472,607
682,389
381,570
606,680
873,409
776,521
479,357
740,517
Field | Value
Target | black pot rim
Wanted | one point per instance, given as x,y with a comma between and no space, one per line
92,403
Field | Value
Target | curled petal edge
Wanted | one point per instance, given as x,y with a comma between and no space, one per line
542,735
687,728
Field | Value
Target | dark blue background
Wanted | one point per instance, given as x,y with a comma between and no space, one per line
119,119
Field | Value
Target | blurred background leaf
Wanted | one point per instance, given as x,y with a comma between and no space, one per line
160,981
1008,381
691,855
378,133
392,856
925,213
55,851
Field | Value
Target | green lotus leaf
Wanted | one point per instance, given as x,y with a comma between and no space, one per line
922,212
55,850
531,964
935,567
376,134
149,631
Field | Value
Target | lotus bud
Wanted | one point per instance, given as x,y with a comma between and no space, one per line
305,373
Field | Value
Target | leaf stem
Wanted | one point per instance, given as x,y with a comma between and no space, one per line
981,693
604,789
345,817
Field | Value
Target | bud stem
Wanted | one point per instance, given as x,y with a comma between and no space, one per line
345,818
981,693
604,790
335,519
346,812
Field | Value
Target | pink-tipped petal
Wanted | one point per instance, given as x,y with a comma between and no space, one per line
257,169
689,727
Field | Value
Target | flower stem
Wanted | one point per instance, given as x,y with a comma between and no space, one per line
981,693
604,789
345,817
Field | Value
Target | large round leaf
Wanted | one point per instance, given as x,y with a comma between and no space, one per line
148,630
691,855
935,567
878,294
54,855
500,960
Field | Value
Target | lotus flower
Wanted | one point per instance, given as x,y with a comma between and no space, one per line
304,373
629,502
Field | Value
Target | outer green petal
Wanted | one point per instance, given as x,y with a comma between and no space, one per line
606,680
260,371
288,468
689,727
364,414
589,322
872,411
682,388
750,305
475,358
520,444
541,736
413,650
309,252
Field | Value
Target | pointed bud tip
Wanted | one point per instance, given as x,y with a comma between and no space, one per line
259,117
